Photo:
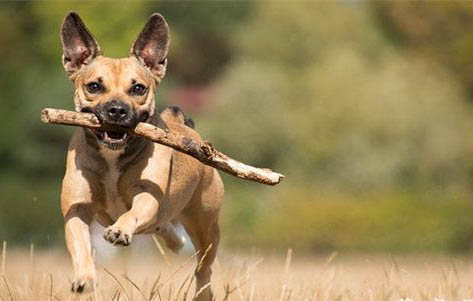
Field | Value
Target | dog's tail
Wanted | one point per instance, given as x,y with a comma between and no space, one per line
175,114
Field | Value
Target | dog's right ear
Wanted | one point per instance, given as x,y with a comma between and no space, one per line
78,44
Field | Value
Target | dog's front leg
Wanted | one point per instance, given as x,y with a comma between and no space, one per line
142,213
78,219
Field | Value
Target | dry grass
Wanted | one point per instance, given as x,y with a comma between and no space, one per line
133,275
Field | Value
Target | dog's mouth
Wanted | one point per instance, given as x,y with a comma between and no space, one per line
113,139
115,135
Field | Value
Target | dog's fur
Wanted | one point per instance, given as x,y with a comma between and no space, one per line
126,183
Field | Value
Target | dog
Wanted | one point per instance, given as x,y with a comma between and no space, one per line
128,184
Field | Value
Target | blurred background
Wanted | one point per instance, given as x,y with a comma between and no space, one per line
365,106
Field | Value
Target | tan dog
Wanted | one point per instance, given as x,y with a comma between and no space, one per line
126,183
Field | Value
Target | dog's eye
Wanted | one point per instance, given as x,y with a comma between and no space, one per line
94,87
138,89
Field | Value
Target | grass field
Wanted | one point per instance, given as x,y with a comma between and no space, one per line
256,275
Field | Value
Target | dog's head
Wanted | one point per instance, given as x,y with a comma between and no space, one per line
120,92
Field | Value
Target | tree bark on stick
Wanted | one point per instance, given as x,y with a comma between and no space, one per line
202,151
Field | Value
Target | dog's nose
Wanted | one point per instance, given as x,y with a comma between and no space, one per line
117,111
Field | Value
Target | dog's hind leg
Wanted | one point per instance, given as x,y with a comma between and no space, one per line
175,114
200,219
204,232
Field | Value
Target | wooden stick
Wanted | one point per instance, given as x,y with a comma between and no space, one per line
202,151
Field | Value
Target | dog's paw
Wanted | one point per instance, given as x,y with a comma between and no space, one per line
83,283
117,236
174,240
175,244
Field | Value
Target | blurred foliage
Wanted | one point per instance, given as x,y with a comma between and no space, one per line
365,107
443,30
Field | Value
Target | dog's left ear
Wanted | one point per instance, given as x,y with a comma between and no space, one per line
151,46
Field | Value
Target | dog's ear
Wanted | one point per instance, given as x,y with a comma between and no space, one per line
78,44
151,46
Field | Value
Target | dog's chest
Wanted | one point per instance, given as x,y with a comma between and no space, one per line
114,203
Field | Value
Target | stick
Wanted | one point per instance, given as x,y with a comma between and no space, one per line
202,151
